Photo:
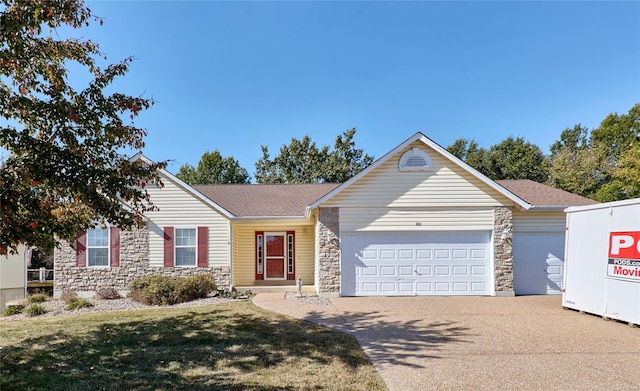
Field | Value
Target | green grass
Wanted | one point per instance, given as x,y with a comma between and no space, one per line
232,346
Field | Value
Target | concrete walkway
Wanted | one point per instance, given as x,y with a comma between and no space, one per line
486,343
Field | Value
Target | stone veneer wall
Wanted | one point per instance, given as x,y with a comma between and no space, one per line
502,237
329,251
134,263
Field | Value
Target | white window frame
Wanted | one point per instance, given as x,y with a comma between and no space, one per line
175,246
108,246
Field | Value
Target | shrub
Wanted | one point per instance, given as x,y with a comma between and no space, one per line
35,310
13,309
77,304
68,296
235,294
37,298
153,290
163,290
108,294
194,287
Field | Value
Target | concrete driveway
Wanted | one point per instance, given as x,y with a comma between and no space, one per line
489,343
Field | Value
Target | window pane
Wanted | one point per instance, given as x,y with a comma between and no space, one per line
97,237
185,236
186,256
98,257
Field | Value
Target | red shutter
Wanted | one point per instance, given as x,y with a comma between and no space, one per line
203,246
115,246
81,249
168,246
291,253
259,276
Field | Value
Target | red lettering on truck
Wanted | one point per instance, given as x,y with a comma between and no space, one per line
623,271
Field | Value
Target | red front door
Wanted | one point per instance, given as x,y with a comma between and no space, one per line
274,257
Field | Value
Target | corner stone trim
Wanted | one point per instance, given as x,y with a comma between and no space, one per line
329,250
134,263
503,250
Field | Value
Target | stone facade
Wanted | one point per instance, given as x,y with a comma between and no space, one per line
134,263
502,236
328,231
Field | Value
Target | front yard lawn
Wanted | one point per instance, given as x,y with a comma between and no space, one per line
231,346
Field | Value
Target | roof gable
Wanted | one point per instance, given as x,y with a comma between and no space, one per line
186,187
419,137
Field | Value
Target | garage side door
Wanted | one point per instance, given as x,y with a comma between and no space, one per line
393,264
538,262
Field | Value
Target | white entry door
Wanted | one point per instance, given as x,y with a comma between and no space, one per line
538,262
395,264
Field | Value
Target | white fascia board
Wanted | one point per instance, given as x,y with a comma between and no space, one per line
548,208
185,186
427,141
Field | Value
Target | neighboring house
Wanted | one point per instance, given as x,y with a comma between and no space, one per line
12,278
418,221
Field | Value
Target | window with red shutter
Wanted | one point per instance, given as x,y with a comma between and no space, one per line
203,246
168,247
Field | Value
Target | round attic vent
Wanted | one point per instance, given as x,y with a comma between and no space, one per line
415,160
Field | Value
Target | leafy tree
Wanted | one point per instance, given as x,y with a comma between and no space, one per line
580,171
303,162
572,139
516,158
618,132
512,158
345,161
625,177
599,164
66,164
470,152
213,168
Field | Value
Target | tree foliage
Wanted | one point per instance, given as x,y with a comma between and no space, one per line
601,164
303,162
66,166
512,158
213,169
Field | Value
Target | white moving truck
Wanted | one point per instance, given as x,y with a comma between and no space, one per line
602,260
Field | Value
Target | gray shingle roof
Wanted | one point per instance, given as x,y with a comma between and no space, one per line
542,195
265,200
291,200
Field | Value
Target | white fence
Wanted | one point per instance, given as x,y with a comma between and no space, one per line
39,275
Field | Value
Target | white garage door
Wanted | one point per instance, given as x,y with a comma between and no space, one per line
538,261
393,264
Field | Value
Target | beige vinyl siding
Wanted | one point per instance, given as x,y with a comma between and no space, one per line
394,219
446,185
12,269
532,221
244,248
179,208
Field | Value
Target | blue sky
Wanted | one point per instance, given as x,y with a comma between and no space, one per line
233,76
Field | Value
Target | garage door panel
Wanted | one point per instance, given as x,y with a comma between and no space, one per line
479,254
423,270
479,287
405,254
404,271
415,263
478,270
423,254
460,254
460,270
